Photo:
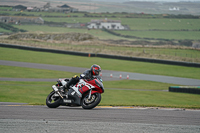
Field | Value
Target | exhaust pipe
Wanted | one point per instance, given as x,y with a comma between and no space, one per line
56,90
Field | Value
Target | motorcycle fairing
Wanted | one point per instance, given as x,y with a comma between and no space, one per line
85,88
99,83
73,96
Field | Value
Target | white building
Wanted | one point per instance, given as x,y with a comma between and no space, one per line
108,24
174,8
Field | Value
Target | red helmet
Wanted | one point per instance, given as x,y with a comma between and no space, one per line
95,69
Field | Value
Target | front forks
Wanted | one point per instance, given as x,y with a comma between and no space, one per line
89,97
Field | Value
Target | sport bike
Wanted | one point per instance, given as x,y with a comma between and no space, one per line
85,93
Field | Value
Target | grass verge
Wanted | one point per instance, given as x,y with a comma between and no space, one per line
22,72
106,64
150,99
36,92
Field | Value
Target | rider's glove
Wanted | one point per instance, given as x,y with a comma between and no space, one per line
82,76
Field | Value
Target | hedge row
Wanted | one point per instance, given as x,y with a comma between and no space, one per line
116,15
180,42
10,27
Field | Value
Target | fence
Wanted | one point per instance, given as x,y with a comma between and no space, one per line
185,89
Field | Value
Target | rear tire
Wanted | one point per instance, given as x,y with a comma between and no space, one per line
91,103
53,102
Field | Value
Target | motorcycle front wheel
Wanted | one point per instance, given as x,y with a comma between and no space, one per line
92,102
52,101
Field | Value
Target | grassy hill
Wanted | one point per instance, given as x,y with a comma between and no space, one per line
151,35
146,7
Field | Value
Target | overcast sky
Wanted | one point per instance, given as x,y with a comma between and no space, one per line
144,0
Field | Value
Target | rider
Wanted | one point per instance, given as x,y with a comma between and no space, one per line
88,75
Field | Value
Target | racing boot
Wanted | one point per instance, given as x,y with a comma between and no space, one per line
71,82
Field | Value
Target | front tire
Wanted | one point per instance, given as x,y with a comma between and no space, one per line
91,103
51,101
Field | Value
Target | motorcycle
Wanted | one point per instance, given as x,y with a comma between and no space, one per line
85,93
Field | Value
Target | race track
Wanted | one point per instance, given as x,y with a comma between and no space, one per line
20,118
33,119
105,74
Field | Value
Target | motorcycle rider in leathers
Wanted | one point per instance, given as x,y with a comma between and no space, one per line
88,75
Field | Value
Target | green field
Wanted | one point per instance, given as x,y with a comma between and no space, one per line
116,93
142,26
36,93
20,72
157,52
107,64
180,35
163,23
46,29
139,22
4,30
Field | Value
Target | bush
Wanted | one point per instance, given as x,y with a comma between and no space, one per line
10,27
185,42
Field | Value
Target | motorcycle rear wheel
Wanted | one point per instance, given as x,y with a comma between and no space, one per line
52,102
92,102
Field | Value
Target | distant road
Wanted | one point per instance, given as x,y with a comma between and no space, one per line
105,74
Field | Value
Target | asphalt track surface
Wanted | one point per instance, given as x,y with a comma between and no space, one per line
19,118
105,74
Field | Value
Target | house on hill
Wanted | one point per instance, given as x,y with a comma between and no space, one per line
108,24
64,6
47,7
19,8
67,8
29,8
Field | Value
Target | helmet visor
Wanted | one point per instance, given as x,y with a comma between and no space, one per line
97,71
